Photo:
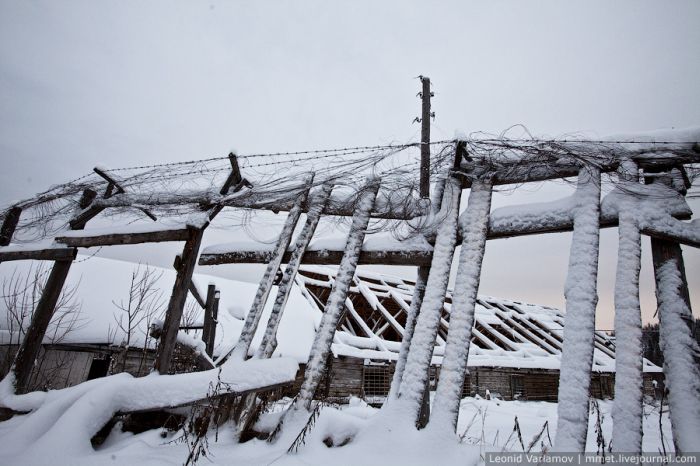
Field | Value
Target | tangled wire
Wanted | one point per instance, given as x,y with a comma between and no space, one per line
173,191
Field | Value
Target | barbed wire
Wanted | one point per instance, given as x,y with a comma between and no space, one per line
176,189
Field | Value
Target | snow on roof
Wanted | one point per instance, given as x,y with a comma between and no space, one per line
506,333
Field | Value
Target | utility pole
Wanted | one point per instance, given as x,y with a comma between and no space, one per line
426,114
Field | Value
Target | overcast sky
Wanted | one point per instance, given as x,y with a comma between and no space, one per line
127,83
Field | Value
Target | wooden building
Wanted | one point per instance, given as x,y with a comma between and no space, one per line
515,351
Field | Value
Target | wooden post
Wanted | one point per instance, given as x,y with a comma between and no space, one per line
425,139
9,224
679,347
677,342
31,344
240,351
178,297
269,341
474,225
415,376
579,329
628,406
209,327
335,306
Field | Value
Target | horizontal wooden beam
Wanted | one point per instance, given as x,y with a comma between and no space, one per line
420,257
519,171
114,239
47,254
323,257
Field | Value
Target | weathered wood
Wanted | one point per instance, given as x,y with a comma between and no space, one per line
269,341
9,224
425,139
113,183
114,239
628,405
416,372
197,297
234,177
681,351
473,225
209,328
90,210
335,306
240,351
422,257
579,331
518,171
178,297
31,344
54,254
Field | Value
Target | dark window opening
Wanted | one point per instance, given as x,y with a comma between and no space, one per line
99,368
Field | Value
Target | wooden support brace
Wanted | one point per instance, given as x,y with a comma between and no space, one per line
473,225
31,344
269,341
240,351
335,306
197,297
188,259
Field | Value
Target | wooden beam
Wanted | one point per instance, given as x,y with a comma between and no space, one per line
113,239
421,257
335,306
90,210
680,349
209,328
269,341
240,351
53,254
518,171
29,349
197,297
178,297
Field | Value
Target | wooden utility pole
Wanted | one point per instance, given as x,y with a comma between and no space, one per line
425,138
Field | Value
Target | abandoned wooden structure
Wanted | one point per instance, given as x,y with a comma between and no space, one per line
647,198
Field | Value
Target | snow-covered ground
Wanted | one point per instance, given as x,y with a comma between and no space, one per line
484,425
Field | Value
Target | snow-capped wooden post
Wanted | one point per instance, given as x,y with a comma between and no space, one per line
335,306
627,412
679,347
269,341
413,383
473,225
240,351
209,327
418,294
409,329
579,330
185,267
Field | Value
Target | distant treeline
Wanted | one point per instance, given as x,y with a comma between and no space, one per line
650,341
